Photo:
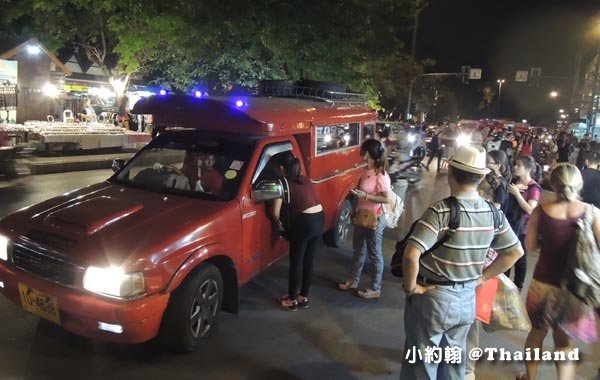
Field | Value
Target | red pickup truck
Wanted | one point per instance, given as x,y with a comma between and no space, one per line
163,245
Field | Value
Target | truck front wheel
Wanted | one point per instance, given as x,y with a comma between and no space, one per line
193,310
341,229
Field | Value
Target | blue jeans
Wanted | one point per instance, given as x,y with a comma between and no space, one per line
439,318
367,241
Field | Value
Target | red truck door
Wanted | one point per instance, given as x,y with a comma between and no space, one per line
262,243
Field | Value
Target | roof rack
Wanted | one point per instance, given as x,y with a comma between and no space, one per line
313,93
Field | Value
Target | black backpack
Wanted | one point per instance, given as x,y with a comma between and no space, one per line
453,224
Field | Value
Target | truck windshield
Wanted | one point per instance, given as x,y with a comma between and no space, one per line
208,169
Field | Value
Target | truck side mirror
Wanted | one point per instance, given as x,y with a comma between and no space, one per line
117,164
266,191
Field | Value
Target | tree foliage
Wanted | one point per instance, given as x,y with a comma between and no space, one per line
219,45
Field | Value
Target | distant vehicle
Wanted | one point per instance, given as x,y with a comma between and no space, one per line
578,129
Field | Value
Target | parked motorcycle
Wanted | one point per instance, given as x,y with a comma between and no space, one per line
409,169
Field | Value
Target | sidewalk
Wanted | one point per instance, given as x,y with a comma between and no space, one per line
73,163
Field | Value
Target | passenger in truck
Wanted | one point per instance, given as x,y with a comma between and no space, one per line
211,181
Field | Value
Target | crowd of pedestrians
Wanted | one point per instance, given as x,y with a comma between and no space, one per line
497,183
514,185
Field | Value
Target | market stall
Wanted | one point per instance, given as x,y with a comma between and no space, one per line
59,135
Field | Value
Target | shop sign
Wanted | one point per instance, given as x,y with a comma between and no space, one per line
76,88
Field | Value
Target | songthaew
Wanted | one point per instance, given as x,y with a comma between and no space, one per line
160,247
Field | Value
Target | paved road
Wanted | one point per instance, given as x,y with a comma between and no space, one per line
340,337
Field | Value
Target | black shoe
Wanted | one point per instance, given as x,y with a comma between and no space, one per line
303,304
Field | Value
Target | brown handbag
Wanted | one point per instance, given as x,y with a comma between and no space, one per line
365,218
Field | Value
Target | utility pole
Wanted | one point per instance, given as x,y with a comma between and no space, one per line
413,47
578,58
500,82
594,103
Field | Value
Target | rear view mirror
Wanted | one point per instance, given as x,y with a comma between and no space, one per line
266,191
117,164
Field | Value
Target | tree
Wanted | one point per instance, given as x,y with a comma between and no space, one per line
212,44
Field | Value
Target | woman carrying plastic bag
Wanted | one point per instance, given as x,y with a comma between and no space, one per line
509,311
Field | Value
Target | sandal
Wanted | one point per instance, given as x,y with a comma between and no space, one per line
287,303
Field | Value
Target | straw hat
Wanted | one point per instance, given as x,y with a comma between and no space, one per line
471,159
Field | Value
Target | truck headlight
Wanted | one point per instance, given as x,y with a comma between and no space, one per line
3,248
114,282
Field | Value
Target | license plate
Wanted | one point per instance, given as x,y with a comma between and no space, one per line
39,303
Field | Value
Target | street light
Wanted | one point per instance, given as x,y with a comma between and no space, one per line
553,94
499,81
33,49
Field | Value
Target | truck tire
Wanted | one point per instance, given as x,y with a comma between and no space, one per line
192,313
341,229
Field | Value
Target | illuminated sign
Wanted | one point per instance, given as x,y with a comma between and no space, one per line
76,87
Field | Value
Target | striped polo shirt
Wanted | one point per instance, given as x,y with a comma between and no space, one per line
460,258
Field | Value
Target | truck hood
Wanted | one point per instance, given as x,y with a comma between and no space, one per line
109,224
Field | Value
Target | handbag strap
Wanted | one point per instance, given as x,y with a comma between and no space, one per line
286,190
589,213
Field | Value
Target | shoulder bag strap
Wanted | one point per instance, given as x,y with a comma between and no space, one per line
453,224
589,213
286,190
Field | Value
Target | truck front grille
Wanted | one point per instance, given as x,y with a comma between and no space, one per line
39,263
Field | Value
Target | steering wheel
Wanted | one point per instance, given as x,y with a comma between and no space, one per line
174,169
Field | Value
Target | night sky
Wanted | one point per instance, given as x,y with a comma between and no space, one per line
504,36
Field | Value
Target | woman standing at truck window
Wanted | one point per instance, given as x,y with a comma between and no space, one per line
372,192
306,224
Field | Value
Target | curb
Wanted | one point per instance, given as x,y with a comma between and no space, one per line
51,168
73,164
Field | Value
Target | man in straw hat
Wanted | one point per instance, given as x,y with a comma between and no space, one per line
442,318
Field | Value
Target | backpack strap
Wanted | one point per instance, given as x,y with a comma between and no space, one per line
453,224
497,216
454,221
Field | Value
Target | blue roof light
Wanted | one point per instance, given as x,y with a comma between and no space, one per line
198,94
163,92
239,103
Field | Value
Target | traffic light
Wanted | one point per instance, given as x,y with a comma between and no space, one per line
535,73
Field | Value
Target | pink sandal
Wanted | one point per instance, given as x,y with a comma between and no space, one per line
287,303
